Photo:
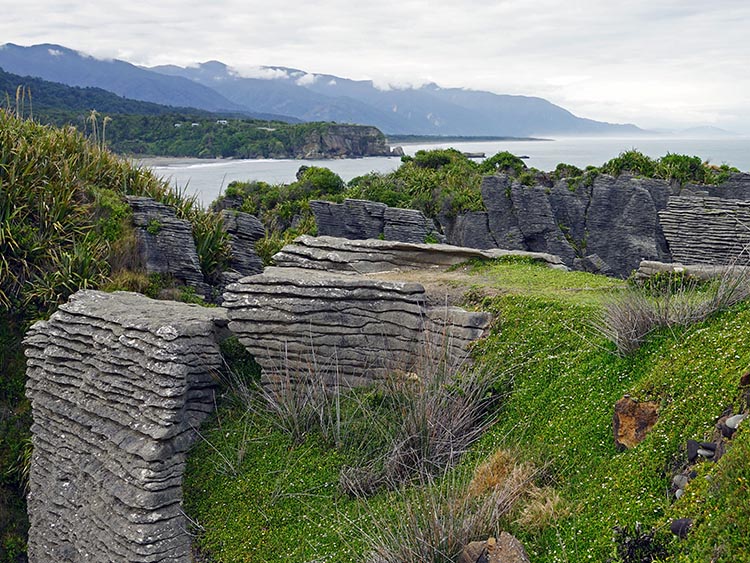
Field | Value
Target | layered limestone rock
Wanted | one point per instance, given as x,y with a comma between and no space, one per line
355,328
707,230
244,231
361,219
607,227
699,271
118,384
166,243
372,255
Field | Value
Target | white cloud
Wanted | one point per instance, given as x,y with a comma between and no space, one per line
307,80
636,61
55,52
262,72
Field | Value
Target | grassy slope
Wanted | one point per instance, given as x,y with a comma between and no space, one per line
280,501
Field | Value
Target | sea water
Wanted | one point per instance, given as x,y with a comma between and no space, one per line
208,178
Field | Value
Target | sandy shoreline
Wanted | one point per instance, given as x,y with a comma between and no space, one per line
165,161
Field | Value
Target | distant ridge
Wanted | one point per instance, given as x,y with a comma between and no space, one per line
213,86
55,63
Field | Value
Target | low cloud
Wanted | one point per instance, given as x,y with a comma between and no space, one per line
307,80
261,72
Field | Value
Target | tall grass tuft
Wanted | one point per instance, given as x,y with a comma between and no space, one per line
633,314
439,517
412,424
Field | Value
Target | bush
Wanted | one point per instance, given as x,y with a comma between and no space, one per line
630,161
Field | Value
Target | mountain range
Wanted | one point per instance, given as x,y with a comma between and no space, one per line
271,92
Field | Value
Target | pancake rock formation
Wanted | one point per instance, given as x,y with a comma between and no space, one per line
118,383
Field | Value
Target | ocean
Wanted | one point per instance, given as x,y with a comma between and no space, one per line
208,178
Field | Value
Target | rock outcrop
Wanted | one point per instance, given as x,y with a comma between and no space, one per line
632,421
244,231
699,271
707,230
295,321
166,243
372,255
361,219
607,227
339,141
118,383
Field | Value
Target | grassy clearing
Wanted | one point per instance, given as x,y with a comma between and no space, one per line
560,380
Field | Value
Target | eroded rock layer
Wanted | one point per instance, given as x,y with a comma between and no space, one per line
707,230
373,255
166,243
361,219
118,383
353,327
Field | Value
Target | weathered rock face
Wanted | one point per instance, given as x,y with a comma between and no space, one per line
361,219
607,227
372,255
345,141
707,230
244,231
632,421
355,327
166,243
118,383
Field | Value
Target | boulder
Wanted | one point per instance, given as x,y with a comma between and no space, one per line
632,421
351,327
353,219
507,549
680,527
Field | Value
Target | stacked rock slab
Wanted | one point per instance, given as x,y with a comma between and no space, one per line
361,219
166,243
351,328
118,383
244,230
707,230
372,255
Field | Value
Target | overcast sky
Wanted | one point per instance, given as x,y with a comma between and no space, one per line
655,63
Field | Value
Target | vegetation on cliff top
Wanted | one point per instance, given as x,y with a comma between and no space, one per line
441,182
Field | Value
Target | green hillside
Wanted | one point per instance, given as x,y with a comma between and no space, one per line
258,495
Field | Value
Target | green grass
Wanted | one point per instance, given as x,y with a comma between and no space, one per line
560,380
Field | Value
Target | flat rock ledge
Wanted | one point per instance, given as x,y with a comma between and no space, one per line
649,268
374,255
118,383
350,328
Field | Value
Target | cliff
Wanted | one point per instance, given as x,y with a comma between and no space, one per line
341,141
